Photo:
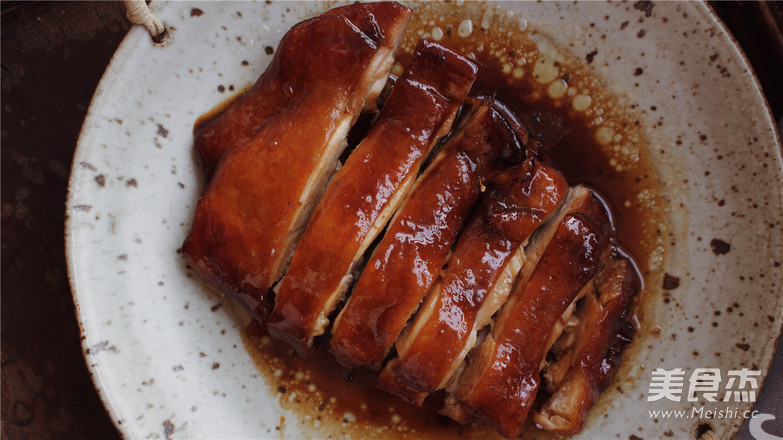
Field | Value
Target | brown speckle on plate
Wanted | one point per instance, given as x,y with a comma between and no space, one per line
670,282
719,247
168,428
163,131
89,166
645,6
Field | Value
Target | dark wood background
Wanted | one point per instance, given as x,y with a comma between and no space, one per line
53,55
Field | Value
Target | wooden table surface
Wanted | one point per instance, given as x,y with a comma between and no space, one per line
53,55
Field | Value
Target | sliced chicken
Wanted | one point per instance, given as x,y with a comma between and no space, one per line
501,380
593,206
592,360
279,146
417,243
277,90
489,254
578,199
367,190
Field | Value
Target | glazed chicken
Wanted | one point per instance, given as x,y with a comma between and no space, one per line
586,355
404,266
445,252
368,189
284,82
501,380
486,260
268,157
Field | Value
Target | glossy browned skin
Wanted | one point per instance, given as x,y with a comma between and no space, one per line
502,378
593,205
276,90
364,193
591,362
264,183
409,258
521,198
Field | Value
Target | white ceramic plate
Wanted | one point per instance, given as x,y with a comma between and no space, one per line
153,341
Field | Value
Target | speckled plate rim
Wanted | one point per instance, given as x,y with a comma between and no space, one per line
754,78
108,76
115,65
769,354
778,134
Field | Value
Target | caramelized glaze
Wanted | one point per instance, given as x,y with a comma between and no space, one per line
416,245
240,120
502,379
367,189
591,360
405,263
277,146
445,328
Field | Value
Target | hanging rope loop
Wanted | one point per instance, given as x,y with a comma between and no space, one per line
139,13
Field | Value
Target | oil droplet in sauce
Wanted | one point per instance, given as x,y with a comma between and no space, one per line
591,136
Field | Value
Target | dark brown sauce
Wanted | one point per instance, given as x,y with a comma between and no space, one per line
217,110
329,399
569,145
